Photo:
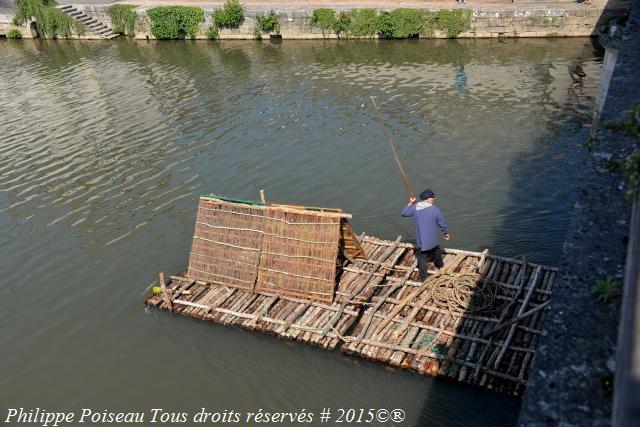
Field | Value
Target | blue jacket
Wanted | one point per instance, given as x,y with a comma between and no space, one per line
427,219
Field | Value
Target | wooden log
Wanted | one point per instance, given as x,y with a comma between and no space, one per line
242,308
381,301
397,356
521,280
425,297
533,338
483,257
302,308
264,309
312,322
398,308
165,293
462,376
362,287
518,318
434,356
223,296
534,282
489,347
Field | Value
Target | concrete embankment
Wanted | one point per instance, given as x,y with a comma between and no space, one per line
587,367
488,19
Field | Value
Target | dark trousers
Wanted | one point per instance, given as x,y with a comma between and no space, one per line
434,255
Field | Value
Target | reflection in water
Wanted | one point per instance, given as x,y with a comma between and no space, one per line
106,146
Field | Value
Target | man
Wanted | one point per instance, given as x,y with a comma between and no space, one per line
427,219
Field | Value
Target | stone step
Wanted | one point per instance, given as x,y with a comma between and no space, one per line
92,25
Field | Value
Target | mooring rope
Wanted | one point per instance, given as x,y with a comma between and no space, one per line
462,292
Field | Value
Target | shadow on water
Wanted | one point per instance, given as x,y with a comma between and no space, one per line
541,187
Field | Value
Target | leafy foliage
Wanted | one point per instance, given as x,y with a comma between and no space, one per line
212,32
175,22
324,19
231,14
342,23
453,22
14,34
364,22
269,22
406,22
123,18
385,25
398,23
50,21
604,289
26,9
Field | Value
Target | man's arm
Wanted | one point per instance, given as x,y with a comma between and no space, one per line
410,209
443,225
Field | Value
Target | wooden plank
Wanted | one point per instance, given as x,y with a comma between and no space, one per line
363,286
165,293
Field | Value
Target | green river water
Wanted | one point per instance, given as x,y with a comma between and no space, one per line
106,146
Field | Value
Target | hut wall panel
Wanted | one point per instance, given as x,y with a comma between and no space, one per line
298,255
226,243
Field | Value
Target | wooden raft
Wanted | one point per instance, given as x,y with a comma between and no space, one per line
401,329
380,313
287,317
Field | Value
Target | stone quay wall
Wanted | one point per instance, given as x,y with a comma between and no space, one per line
565,21
540,20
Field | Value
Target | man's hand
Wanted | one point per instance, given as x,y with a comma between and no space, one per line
446,236
412,200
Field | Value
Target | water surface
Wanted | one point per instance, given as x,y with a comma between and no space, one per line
106,146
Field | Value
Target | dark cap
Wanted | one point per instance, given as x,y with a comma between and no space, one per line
427,194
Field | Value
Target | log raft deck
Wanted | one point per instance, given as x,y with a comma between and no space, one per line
379,310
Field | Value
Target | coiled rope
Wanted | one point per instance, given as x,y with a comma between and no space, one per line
462,292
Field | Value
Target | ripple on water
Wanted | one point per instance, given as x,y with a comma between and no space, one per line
106,147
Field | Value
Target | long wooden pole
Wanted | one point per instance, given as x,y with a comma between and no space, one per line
393,150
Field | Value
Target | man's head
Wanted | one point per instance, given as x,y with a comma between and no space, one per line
428,195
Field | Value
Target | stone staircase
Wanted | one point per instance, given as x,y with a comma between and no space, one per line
94,28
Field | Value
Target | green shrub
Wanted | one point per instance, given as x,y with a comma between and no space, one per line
54,22
50,21
269,22
14,34
453,22
26,9
364,22
123,18
406,22
385,25
212,32
324,19
398,23
175,22
342,23
231,14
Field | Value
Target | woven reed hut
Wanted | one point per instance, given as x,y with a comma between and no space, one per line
270,249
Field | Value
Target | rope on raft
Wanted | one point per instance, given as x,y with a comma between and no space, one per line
462,292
